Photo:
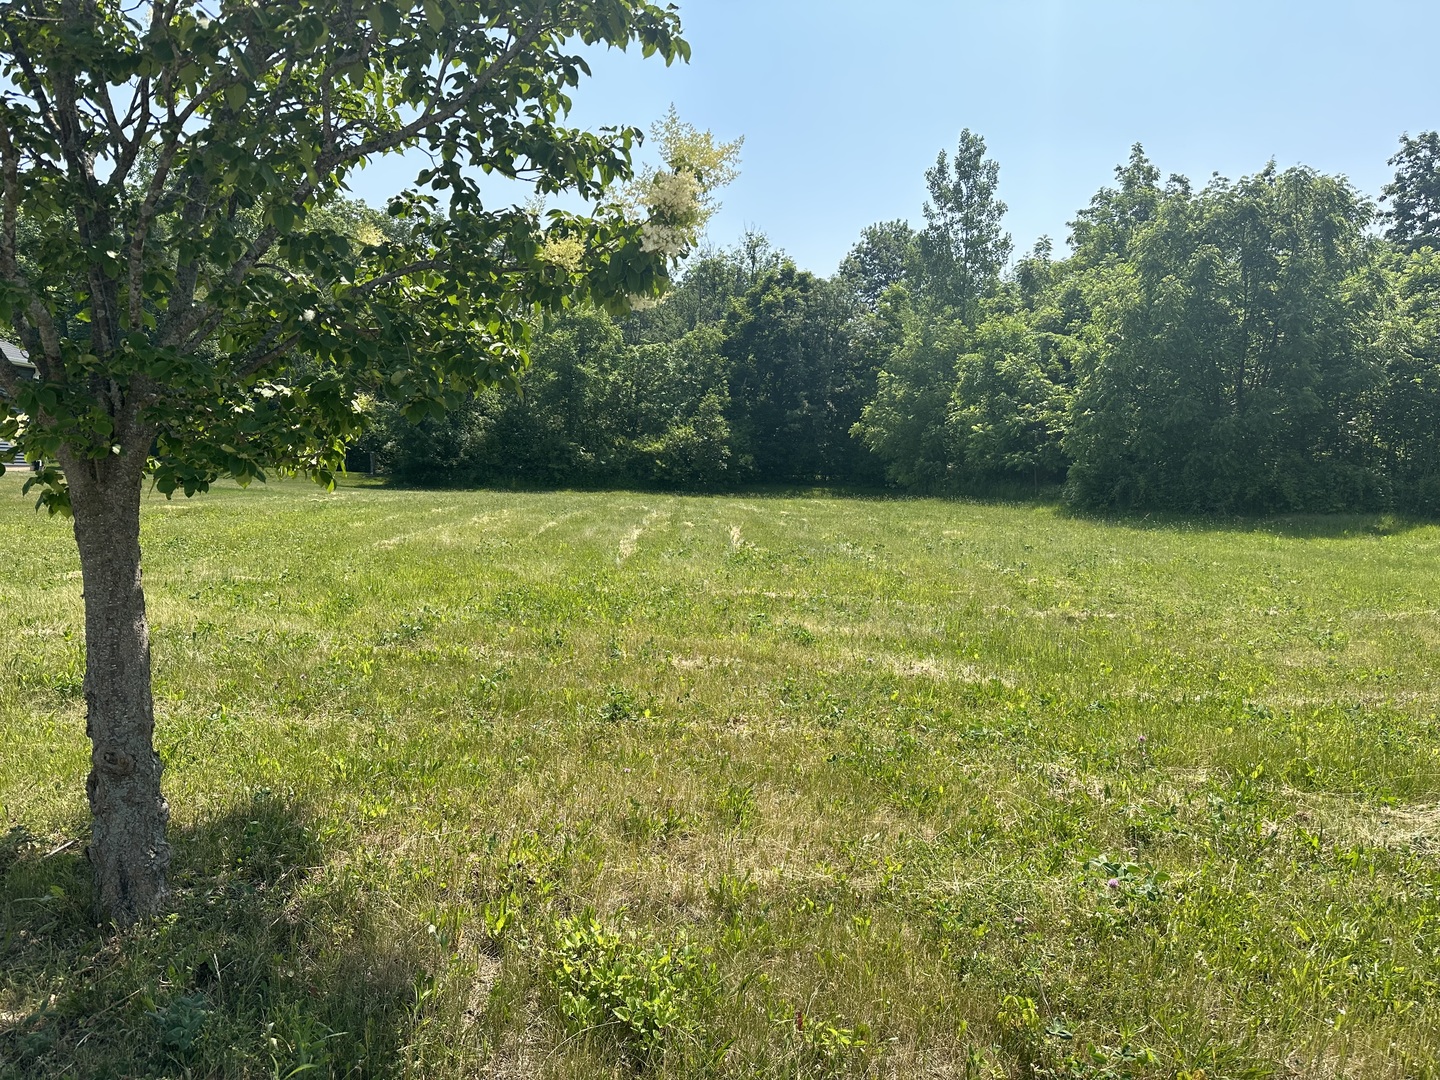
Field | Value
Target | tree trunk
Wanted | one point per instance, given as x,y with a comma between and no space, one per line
128,850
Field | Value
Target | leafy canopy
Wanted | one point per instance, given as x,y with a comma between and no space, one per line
1231,352
963,248
1414,194
166,258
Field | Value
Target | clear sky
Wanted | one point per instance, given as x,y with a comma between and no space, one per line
845,103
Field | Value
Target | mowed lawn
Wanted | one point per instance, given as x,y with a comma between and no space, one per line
471,784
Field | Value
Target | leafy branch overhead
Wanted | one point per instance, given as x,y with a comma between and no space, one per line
165,254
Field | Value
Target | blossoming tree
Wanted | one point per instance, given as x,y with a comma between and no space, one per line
190,315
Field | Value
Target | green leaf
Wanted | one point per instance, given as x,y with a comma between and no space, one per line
386,18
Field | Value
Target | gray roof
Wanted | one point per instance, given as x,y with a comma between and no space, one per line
14,354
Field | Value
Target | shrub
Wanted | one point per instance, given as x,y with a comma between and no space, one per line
646,998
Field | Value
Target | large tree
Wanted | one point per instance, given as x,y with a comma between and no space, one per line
925,309
796,385
1406,417
1414,194
884,257
1116,215
1228,361
905,422
1011,402
191,316
963,248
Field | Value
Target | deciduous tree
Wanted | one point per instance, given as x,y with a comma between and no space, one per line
189,315
1230,356
1407,412
796,385
1414,194
963,248
885,256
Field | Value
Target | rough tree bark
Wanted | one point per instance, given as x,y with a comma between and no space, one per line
128,850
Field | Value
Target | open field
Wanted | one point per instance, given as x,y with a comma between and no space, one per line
575,785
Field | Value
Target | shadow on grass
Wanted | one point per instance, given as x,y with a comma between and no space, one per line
259,970
1015,494
1286,526
1317,526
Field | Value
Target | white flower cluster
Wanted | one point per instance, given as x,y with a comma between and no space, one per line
566,252
673,202
673,195
667,240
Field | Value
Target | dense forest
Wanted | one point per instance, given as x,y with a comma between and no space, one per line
1268,344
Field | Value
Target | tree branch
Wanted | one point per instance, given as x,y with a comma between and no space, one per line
404,134
47,360
139,115
185,330
9,207
396,275
37,316
182,316
37,88
255,361
148,210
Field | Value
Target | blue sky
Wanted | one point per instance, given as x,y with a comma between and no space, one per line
844,104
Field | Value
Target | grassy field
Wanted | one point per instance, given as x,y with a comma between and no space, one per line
590,785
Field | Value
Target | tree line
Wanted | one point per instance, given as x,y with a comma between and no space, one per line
1267,344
